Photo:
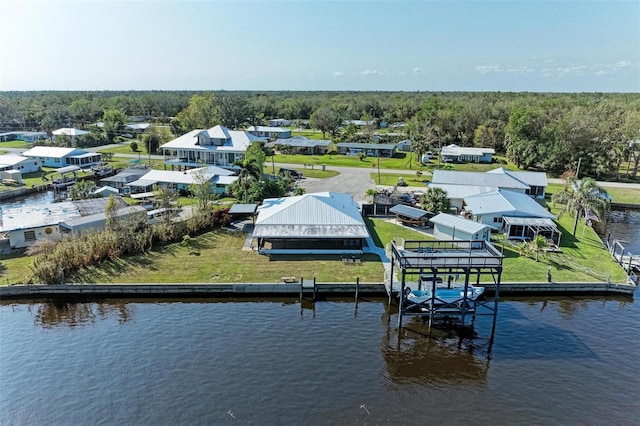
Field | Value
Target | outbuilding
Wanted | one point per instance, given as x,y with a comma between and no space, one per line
450,227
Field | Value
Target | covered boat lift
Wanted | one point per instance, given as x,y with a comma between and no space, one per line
423,260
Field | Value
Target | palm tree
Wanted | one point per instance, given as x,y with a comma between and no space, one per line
538,244
435,200
249,170
582,197
371,193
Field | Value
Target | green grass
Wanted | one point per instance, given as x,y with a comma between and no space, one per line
620,195
391,179
125,149
383,232
15,144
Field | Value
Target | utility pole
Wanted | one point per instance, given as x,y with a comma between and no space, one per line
378,167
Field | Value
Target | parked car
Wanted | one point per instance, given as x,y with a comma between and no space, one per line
291,172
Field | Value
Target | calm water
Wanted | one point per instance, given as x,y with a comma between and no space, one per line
625,225
38,198
550,361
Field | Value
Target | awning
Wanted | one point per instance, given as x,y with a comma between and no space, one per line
143,183
86,155
407,211
142,195
530,221
243,209
68,169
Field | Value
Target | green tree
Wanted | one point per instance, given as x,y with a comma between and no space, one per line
82,190
202,190
371,193
435,200
113,123
134,146
201,113
582,197
250,170
326,119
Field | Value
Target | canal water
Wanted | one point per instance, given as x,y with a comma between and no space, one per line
624,225
547,362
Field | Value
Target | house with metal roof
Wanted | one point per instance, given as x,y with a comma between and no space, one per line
531,183
457,193
19,162
269,132
459,154
126,176
23,136
279,122
69,132
98,221
30,223
217,146
53,156
491,207
369,149
301,145
181,180
324,222
450,227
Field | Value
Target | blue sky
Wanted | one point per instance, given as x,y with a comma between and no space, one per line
547,46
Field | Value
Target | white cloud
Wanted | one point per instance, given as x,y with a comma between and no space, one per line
486,69
338,74
370,72
619,65
573,70
417,70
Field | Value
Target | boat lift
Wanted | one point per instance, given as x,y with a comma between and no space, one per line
426,262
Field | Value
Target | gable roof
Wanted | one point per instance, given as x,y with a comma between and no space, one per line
316,215
51,152
187,177
12,159
69,131
456,151
461,191
500,180
509,203
530,178
459,223
235,140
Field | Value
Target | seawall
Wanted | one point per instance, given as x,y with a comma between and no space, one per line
280,289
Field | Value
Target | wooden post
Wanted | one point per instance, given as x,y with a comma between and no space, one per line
357,288
314,289
401,301
301,288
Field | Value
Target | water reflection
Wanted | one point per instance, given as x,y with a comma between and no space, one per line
419,353
58,313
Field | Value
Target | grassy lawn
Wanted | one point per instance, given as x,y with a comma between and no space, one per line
14,267
399,162
391,179
15,144
620,195
383,232
125,149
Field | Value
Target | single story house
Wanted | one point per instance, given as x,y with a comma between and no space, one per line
20,163
120,180
71,132
23,136
181,180
450,227
370,149
137,127
97,221
269,132
217,146
30,223
404,145
324,222
457,193
458,154
279,122
359,123
532,183
491,207
106,191
301,145
53,156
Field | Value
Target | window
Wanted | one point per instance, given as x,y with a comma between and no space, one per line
30,235
497,220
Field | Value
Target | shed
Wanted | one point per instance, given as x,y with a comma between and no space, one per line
450,227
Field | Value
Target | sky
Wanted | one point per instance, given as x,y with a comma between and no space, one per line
515,46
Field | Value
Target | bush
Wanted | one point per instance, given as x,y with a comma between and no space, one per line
134,146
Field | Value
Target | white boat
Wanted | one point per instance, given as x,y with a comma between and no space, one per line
447,295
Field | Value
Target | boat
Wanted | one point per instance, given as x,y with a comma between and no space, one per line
448,296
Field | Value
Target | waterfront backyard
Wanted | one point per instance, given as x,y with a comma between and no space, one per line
217,257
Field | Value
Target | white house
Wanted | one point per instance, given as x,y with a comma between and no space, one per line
533,183
217,146
458,154
490,208
324,222
30,223
302,145
279,122
181,180
269,132
23,136
20,163
450,227
71,132
537,181
457,193
53,156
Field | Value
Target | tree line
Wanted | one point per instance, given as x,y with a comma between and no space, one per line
546,131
